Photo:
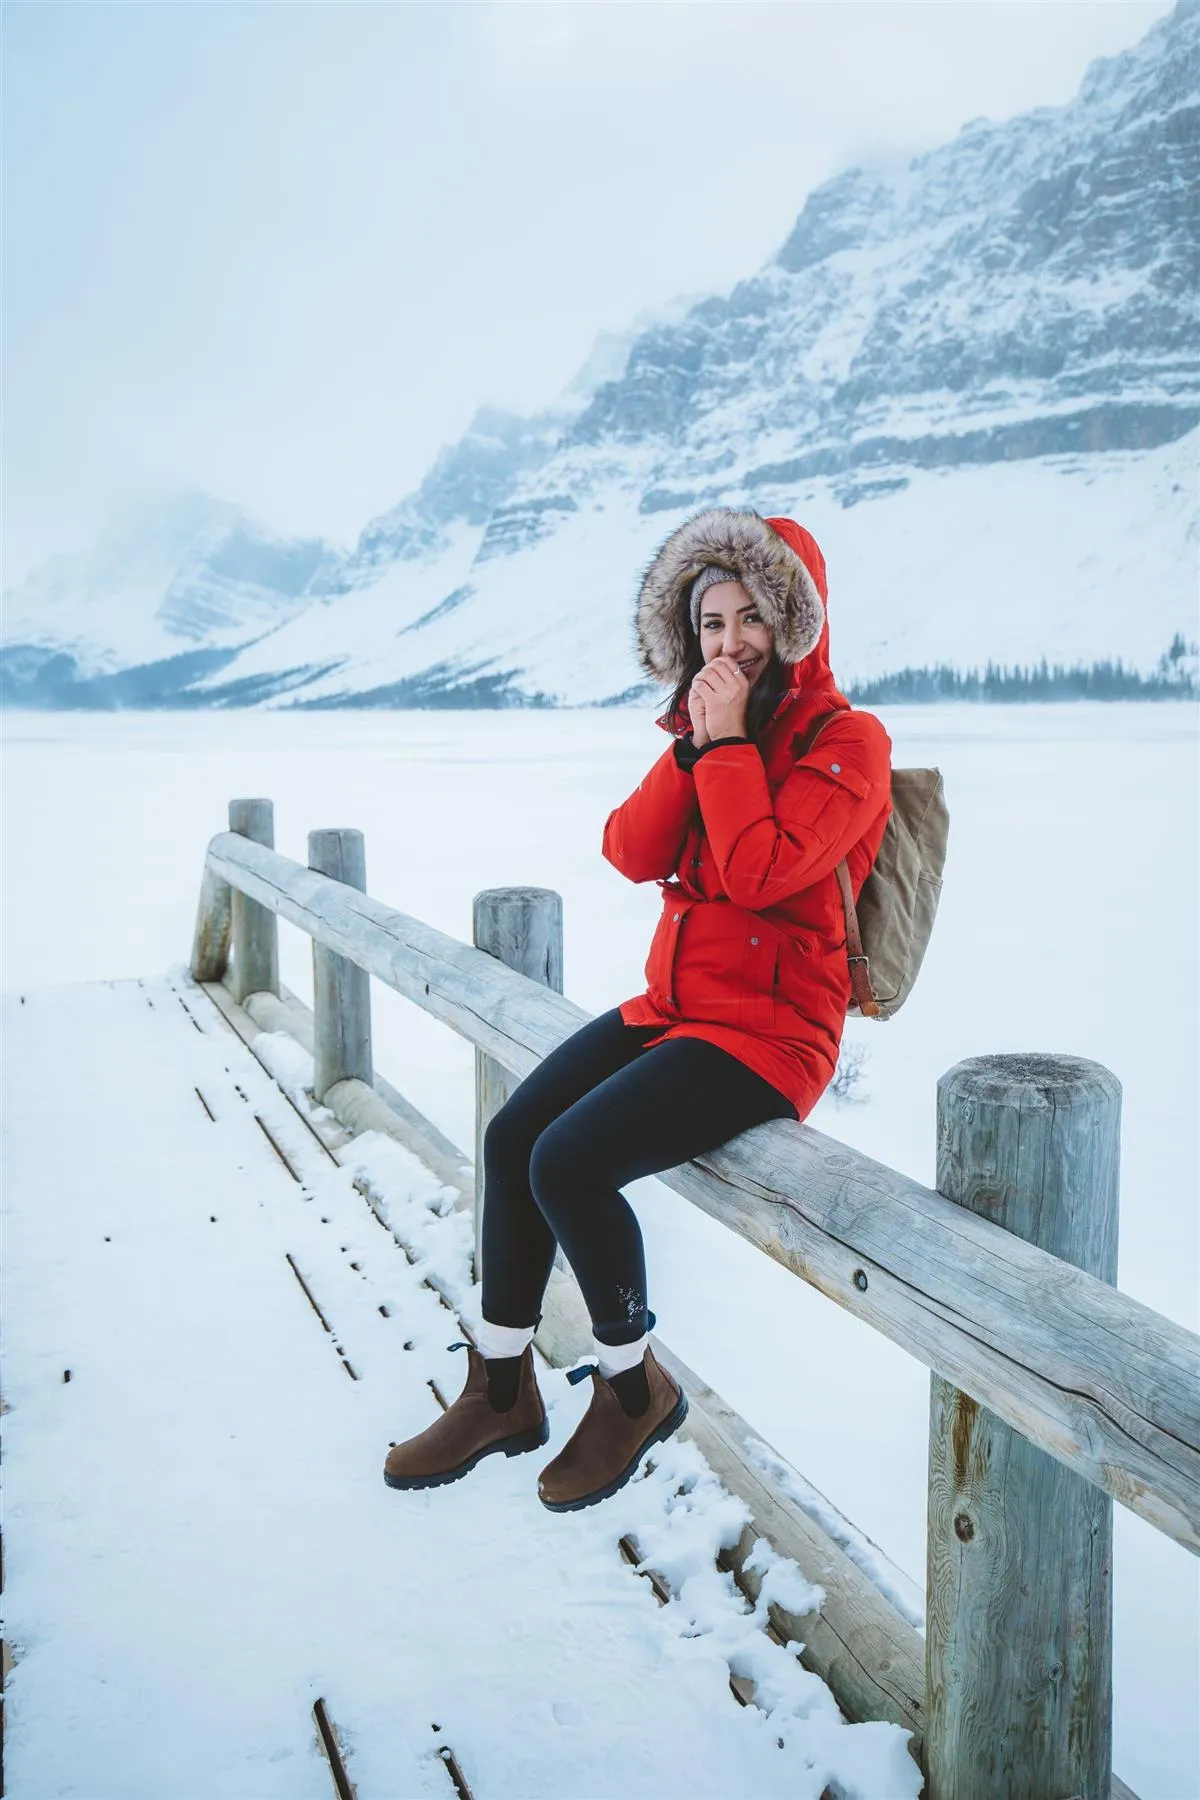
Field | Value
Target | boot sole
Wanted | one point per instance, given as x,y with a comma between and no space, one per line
670,1424
511,1446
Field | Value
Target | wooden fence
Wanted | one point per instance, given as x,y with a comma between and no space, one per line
1052,1393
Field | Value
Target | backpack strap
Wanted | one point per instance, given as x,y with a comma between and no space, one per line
860,968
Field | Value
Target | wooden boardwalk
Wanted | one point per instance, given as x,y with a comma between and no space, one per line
212,1337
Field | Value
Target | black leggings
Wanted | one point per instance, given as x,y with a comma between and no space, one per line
601,1110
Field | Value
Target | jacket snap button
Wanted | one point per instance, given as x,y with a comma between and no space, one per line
675,920
754,941
836,767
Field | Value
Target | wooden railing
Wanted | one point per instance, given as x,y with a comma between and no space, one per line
1052,1392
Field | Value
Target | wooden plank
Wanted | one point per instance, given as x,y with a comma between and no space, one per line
341,990
282,1012
327,1733
871,1659
522,927
1018,1646
279,1150
360,1108
453,1768
312,1301
327,1131
377,1108
1101,1382
255,932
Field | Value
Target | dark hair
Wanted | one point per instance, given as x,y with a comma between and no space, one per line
765,695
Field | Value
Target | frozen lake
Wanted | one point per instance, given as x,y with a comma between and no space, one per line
1068,923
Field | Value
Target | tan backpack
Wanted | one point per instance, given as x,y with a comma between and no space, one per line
887,933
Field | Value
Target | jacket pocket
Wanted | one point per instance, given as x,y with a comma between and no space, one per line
839,775
760,978
660,962
710,971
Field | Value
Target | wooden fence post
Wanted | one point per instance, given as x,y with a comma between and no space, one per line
520,926
341,990
214,920
255,927
1018,1654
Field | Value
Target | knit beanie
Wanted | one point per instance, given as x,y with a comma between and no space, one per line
709,576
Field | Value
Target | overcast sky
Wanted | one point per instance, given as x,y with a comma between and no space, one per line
280,252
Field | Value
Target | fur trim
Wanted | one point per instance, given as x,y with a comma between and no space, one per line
769,569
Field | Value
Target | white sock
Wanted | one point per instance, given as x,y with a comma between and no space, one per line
503,1340
612,1358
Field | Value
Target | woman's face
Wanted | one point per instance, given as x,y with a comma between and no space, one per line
730,625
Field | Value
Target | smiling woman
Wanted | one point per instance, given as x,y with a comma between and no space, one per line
734,680
739,670
742,823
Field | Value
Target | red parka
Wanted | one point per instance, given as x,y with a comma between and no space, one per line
750,949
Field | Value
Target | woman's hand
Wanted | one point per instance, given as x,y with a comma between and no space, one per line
722,691
696,712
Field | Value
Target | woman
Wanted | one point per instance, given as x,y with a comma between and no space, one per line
747,989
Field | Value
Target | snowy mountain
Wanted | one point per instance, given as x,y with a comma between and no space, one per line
976,381
176,586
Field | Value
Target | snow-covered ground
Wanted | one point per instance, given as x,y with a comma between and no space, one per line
199,1542
1067,924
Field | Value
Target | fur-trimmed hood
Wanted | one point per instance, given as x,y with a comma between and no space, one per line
777,562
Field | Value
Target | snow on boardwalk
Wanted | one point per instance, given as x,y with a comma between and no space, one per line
199,1543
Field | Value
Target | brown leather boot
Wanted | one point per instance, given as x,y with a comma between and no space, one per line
469,1429
608,1445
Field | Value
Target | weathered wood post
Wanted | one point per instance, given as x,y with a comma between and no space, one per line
255,927
520,926
214,918
1018,1654
341,990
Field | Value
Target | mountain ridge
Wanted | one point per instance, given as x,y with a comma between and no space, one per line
1017,304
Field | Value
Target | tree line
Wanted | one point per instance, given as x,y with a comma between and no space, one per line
1175,677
